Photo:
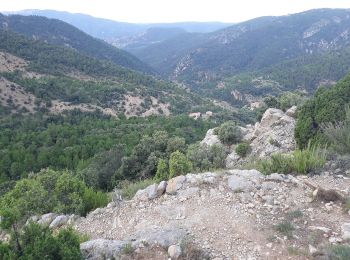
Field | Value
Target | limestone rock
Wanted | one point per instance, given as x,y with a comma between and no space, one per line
175,184
244,180
101,249
174,251
210,138
292,112
161,188
46,219
59,221
232,160
162,237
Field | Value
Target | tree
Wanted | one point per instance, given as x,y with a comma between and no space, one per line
229,133
178,164
162,171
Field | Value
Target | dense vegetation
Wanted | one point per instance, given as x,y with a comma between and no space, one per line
39,242
60,33
328,106
72,140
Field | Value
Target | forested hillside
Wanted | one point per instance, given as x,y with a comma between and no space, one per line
60,33
299,51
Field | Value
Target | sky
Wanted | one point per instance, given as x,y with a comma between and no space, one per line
151,11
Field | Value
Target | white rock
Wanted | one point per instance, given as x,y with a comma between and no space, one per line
174,251
175,184
59,221
161,188
46,219
312,249
210,138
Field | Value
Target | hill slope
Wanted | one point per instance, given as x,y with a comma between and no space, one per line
60,33
252,46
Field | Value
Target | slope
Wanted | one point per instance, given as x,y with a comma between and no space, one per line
60,33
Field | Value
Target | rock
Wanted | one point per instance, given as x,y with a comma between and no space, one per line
152,191
59,221
210,138
232,160
161,188
276,177
141,195
102,249
292,112
312,249
175,184
323,229
244,180
345,229
174,251
162,237
46,219
31,219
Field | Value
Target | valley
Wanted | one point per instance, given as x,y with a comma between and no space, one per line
183,140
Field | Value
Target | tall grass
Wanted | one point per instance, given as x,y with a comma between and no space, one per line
299,162
338,134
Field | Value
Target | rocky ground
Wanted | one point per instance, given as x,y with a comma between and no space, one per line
235,214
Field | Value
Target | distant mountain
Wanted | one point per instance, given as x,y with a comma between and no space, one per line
254,46
56,32
117,32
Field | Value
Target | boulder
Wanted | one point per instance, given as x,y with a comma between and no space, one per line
232,160
59,221
46,219
161,188
149,193
152,191
175,184
174,251
210,138
102,249
292,112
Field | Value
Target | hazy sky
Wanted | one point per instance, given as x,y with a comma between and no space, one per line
175,10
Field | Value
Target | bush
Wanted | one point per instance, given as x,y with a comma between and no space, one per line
162,171
242,149
339,252
178,164
285,228
38,242
338,134
300,162
229,133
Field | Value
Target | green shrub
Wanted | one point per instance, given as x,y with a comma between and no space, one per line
162,173
285,228
242,149
178,164
338,134
229,133
328,105
299,162
205,158
339,252
38,242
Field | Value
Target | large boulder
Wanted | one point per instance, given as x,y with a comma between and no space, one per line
102,249
46,219
345,228
175,184
210,138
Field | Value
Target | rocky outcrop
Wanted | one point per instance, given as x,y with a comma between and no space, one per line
210,138
274,134
102,249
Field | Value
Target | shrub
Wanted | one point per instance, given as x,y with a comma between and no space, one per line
338,134
229,133
242,149
205,158
285,228
339,252
300,162
178,164
38,242
162,171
